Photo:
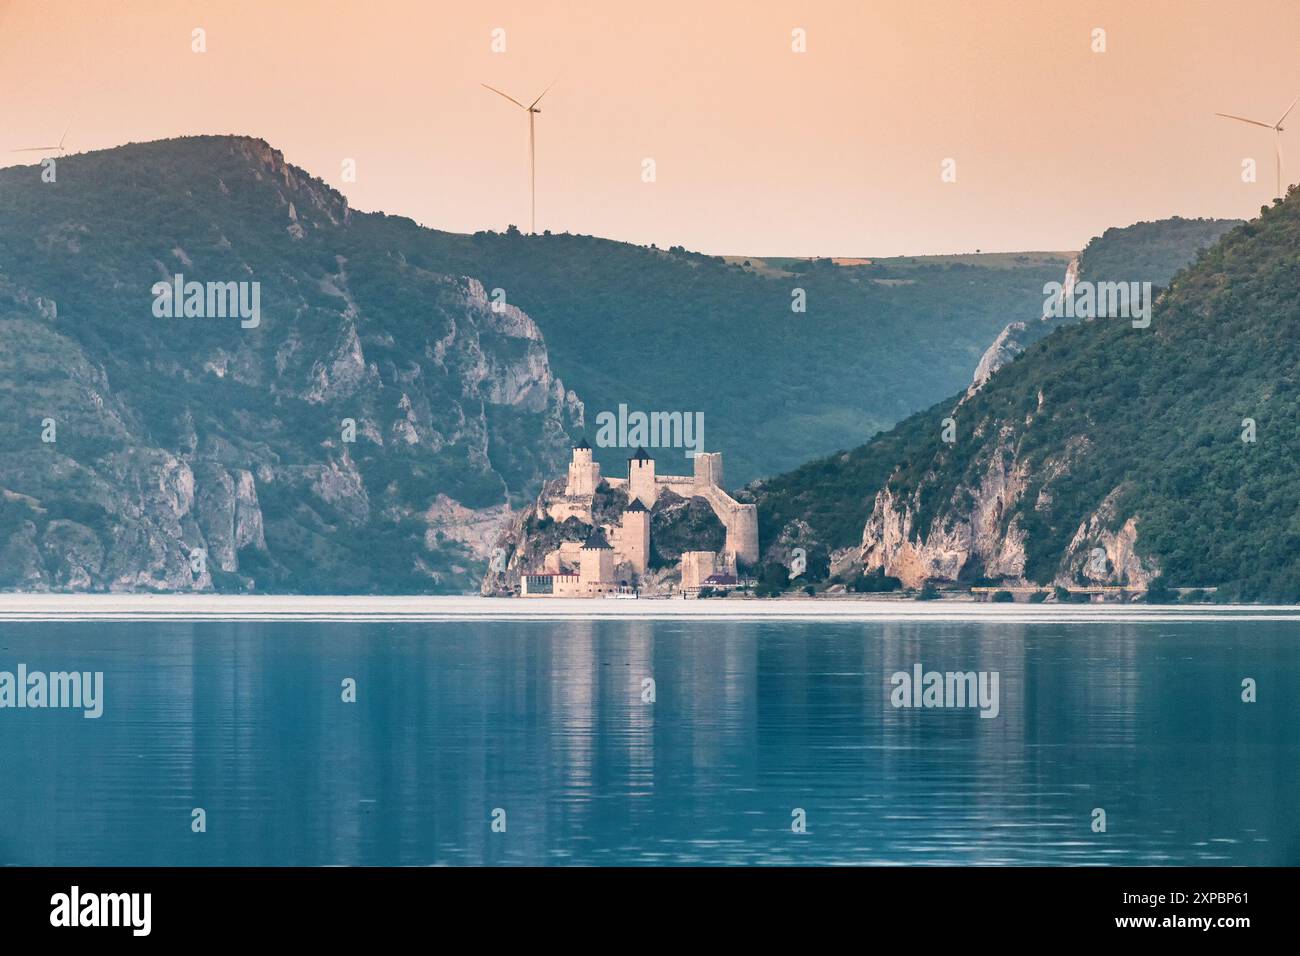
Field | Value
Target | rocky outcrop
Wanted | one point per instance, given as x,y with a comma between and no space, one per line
476,528
1005,347
1099,553
1017,336
228,514
979,530
976,530
74,552
1097,455
21,564
525,540
369,433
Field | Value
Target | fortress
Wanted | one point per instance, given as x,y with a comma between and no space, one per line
628,542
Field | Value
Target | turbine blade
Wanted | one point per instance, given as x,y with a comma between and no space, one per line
1288,111
499,93
1244,120
33,149
65,133
545,91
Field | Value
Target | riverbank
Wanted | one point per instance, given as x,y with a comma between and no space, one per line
405,608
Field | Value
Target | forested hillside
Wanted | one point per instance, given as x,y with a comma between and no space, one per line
1171,449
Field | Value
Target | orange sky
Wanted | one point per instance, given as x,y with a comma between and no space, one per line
758,150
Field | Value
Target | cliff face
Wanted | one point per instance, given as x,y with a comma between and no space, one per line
978,528
1018,336
1104,453
970,532
355,438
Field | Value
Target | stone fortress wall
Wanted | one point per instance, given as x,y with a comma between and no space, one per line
740,520
625,544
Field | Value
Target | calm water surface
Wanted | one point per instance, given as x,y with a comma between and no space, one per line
751,720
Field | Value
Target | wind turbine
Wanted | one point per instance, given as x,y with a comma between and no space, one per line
1277,141
532,111
48,149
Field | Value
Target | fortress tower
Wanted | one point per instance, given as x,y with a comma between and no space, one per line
641,478
696,568
584,474
595,561
634,538
708,469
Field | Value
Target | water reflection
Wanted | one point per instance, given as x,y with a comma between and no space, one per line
550,723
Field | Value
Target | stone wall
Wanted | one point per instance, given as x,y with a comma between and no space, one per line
630,536
696,568
740,520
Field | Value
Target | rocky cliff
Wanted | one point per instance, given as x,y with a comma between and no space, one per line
357,437
977,527
1104,453
1017,336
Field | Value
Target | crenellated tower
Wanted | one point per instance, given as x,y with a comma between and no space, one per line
584,474
641,478
596,560
634,537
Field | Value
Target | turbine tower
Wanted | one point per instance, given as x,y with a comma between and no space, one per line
532,111
1277,141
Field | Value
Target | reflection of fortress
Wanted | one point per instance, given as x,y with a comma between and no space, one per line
628,542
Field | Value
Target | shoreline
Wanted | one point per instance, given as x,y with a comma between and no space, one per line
183,608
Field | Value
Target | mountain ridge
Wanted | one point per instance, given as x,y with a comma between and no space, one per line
177,436
1103,454
323,450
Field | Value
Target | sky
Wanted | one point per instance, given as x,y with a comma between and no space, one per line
757,149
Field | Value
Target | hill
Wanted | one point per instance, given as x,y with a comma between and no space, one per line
176,444
355,436
672,330
378,420
1104,453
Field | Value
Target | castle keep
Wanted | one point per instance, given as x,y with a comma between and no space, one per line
627,543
